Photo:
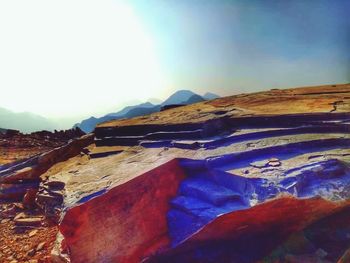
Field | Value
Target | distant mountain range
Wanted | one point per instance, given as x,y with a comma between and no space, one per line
181,97
24,121
27,122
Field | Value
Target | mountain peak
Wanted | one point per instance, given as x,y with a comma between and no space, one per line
179,97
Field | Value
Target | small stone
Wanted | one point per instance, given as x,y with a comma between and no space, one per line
31,252
29,198
274,164
40,246
56,184
32,233
33,261
49,199
259,164
10,212
26,247
5,221
31,221
20,215
19,206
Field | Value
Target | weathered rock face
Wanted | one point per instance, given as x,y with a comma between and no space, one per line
207,216
136,211
323,241
25,234
236,179
229,180
20,177
248,235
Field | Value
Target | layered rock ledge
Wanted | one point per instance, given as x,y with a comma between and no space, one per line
237,179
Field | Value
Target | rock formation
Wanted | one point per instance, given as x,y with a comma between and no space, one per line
16,146
260,177
28,216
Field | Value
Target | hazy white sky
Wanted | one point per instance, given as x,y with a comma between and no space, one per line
79,58
74,58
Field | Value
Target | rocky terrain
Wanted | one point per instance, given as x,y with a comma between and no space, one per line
261,177
26,232
15,145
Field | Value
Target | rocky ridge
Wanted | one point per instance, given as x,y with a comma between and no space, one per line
16,146
28,231
180,97
209,182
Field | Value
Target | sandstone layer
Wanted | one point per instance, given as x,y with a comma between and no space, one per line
236,179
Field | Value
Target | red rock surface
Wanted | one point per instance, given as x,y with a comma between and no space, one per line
249,233
117,200
269,224
134,224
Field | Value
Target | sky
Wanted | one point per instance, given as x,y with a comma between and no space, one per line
70,59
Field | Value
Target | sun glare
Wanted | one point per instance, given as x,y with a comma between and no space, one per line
61,58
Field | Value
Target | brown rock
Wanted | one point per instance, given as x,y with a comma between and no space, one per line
29,198
31,221
49,199
20,215
40,246
5,221
33,233
22,174
26,247
56,184
19,206
9,212
31,252
59,251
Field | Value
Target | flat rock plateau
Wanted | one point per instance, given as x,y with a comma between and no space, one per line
260,177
